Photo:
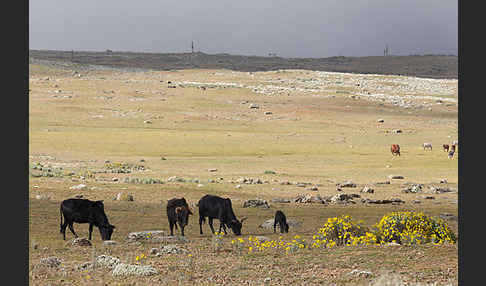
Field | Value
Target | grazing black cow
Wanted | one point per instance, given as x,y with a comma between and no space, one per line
178,211
85,211
216,207
281,220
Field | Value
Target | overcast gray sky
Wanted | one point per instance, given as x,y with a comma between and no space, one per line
290,28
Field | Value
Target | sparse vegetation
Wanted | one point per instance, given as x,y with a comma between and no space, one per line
320,138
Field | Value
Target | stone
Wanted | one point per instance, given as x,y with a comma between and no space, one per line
52,262
145,235
313,188
344,198
42,197
256,203
109,242
238,186
171,249
414,188
439,190
367,189
361,273
347,184
386,201
80,242
254,106
106,261
395,177
123,269
381,120
78,187
303,199
262,238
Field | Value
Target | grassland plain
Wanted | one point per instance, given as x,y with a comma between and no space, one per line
211,135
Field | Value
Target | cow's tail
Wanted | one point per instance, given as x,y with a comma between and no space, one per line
60,226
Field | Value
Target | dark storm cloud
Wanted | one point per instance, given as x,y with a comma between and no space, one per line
290,28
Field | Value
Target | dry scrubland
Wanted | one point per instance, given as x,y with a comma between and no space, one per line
217,127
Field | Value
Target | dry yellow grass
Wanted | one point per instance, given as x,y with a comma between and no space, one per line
322,140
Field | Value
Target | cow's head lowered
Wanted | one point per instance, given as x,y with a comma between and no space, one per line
182,214
106,229
236,225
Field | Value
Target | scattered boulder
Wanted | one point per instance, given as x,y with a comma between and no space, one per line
361,273
145,235
381,120
440,190
51,262
107,261
256,203
344,198
303,199
170,249
383,183
395,177
253,106
367,189
80,242
123,269
262,238
389,201
109,242
78,187
414,188
42,197
313,188
347,184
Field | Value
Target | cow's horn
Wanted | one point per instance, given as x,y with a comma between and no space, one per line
243,219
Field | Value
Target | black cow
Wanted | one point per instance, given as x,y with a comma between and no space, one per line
281,220
178,211
85,211
216,207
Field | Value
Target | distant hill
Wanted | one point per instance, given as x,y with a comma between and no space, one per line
429,66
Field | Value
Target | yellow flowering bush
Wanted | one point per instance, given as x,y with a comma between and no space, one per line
411,228
343,231
406,228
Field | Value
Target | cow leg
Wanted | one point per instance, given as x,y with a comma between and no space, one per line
210,222
90,231
201,219
71,228
222,225
63,229
274,226
282,228
171,226
182,230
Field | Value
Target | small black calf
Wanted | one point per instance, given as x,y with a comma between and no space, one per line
178,211
281,220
